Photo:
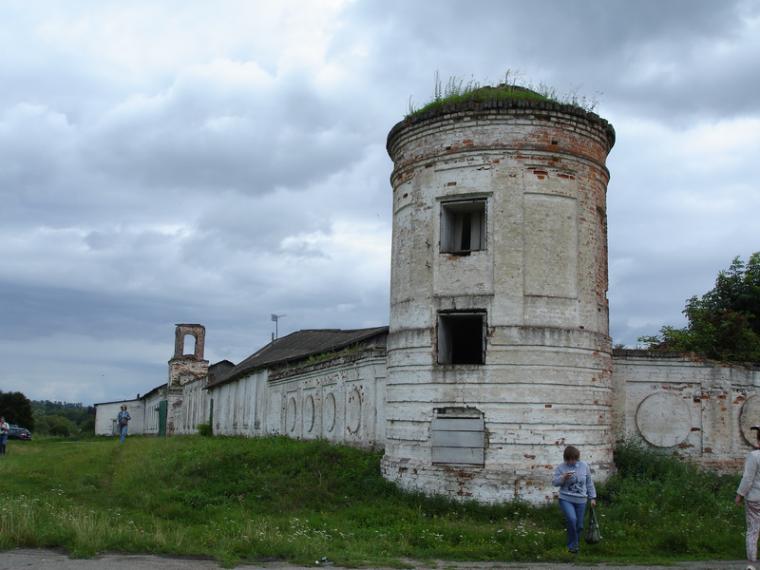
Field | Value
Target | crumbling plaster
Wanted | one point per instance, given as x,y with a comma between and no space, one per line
541,281
188,376
340,400
698,410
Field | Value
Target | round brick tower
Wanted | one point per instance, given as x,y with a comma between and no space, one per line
499,349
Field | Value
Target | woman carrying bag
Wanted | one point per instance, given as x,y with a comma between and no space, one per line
576,488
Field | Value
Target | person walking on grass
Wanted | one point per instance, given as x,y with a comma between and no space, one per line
122,420
576,488
749,493
4,430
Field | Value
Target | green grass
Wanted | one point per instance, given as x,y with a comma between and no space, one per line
480,94
456,91
251,499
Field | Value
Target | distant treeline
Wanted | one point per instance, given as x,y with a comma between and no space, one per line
63,418
44,417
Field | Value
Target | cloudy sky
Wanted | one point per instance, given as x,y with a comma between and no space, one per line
216,162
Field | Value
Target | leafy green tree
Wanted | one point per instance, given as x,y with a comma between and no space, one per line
17,409
87,426
82,416
724,324
57,425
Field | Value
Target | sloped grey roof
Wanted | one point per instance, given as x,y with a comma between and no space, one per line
116,402
153,391
298,346
219,370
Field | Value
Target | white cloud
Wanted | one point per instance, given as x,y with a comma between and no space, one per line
681,206
86,369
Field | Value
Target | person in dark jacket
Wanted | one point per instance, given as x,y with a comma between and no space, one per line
576,489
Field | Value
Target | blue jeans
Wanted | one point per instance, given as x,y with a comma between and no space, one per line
122,434
573,521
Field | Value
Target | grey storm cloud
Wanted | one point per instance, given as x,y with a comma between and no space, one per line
182,161
251,134
666,58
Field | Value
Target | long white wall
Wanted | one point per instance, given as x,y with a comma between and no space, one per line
194,408
105,417
151,412
342,401
698,410
235,405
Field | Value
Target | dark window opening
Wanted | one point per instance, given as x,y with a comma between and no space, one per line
466,232
461,338
463,226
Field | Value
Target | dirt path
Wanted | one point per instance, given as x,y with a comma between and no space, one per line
51,560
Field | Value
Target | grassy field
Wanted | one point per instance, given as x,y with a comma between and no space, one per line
257,499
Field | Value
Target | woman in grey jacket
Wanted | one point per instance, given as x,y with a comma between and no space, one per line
749,492
576,488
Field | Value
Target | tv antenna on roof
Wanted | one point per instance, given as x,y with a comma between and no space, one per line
276,319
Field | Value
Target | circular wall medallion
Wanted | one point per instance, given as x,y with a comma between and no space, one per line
308,414
354,410
329,413
750,416
664,419
290,415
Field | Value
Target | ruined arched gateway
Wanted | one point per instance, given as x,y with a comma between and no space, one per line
498,353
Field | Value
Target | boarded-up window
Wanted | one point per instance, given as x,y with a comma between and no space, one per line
463,226
461,337
458,436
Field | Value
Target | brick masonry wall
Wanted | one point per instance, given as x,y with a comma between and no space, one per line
542,280
701,411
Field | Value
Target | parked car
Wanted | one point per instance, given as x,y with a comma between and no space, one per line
18,432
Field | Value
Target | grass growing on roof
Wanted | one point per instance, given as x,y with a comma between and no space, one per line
332,354
456,90
238,499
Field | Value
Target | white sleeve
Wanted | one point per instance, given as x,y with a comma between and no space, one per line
750,471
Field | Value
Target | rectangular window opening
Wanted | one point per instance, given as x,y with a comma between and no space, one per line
461,338
463,226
